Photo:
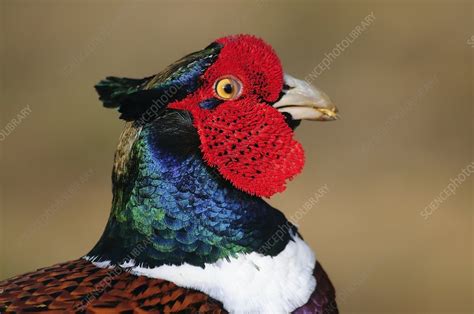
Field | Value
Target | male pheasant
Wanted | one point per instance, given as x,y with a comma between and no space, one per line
189,232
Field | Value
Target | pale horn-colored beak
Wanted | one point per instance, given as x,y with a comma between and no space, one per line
305,102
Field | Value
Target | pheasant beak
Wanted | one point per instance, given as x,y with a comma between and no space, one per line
305,102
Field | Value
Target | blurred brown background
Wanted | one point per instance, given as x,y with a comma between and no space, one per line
404,88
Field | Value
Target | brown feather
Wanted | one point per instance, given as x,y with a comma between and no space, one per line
81,287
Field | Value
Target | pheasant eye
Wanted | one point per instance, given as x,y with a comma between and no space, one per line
228,88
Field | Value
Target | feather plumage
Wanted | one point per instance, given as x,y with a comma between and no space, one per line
79,286
179,206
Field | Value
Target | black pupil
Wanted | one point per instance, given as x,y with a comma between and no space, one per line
228,88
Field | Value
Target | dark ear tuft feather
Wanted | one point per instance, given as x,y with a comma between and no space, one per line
134,98
113,89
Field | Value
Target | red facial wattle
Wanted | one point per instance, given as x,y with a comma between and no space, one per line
245,138
252,146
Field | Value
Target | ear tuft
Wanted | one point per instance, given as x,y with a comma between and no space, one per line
113,90
145,98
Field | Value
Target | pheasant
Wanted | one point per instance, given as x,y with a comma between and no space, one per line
204,142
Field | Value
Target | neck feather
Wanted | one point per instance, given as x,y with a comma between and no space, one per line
169,207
